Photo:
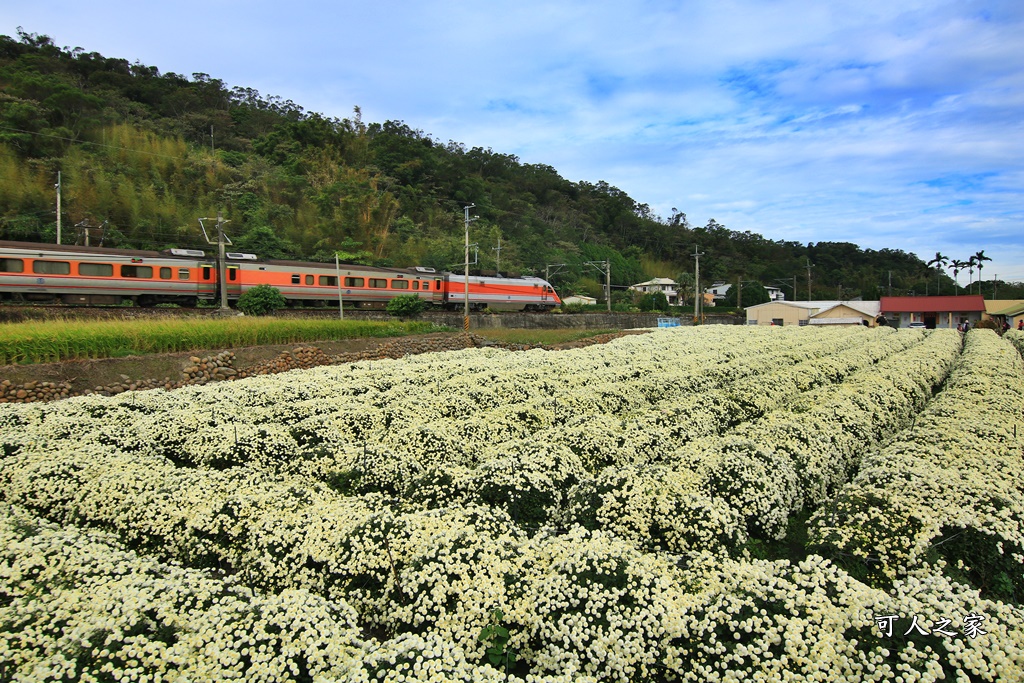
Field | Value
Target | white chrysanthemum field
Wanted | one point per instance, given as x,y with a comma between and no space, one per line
708,504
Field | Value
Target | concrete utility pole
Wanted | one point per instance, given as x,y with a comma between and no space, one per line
606,268
337,273
608,283
497,257
698,300
58,206
222,274
548,273
809,266
465,317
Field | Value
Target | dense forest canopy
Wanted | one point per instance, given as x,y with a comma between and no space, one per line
145,154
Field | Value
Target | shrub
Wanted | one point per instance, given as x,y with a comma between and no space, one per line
261,300
406,305
654,301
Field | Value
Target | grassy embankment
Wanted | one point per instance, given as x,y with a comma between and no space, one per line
58,340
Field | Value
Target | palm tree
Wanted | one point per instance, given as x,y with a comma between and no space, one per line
957,265
939,261
970,269
980,258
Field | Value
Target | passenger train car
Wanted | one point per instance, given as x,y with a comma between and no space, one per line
99,275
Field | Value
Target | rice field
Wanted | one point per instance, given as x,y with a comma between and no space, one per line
59,340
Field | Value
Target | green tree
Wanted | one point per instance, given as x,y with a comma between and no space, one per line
753,294
261,300
406,306
266,243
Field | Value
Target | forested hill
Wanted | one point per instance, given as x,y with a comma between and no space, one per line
149,153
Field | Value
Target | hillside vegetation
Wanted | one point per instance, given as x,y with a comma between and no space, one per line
148,153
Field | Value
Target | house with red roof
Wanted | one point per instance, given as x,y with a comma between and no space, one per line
933,311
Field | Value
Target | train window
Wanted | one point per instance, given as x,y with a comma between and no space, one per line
328,281
355,282
296,279
12,265
183,274
51,267
309,279
438,287
206,272
232,274
378,283
96,269
399,284
415,284
165,273
137,271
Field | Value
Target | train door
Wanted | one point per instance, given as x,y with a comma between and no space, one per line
438,291
207,281
234,282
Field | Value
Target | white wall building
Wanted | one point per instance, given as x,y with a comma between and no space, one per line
668,286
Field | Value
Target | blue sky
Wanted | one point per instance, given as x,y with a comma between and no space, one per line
895,123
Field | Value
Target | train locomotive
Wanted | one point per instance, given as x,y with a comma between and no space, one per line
87,276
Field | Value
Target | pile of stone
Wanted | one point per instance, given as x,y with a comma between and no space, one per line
30,392
302,358
210,369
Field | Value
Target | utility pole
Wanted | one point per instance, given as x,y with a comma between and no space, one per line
608,282
890,283
337,272
607,265
809,266
465,316
58,207
697,298
222,274
547,270
739,293
497,257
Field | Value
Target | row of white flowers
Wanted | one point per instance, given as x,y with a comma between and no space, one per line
713,491
423,582
951,487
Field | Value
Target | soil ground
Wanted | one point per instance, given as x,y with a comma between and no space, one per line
89,374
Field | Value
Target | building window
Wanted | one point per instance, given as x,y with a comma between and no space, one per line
137,271
96,269
165,273
777,322
378,283
355,282
12,265
51,267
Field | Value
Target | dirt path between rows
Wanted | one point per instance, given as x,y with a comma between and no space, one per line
47,381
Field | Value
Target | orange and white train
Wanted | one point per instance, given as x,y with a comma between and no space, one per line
102,276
